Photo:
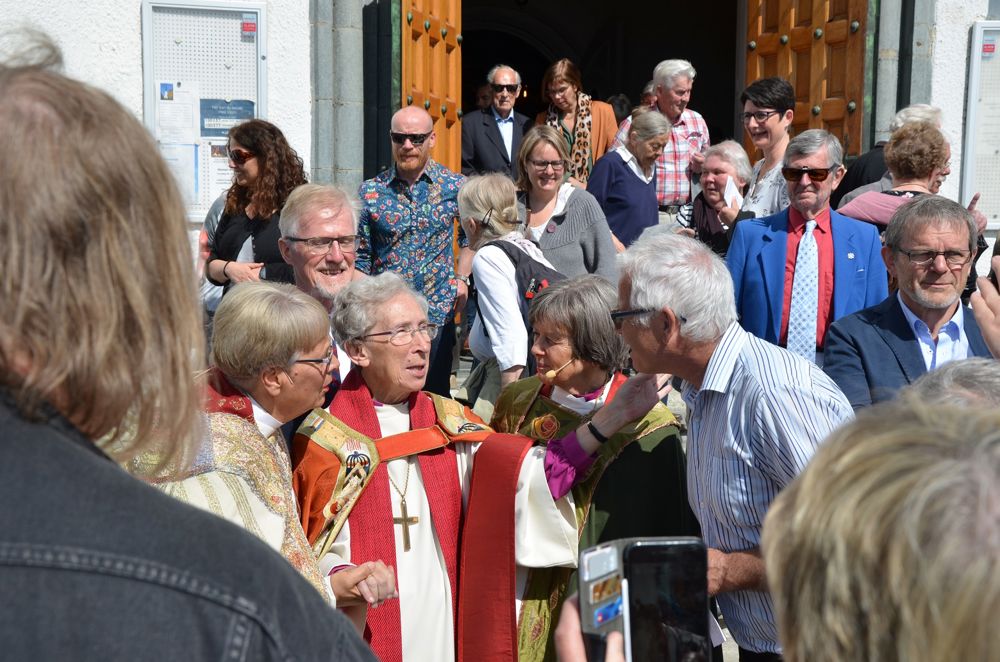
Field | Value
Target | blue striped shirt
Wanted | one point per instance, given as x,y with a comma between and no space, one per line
753,426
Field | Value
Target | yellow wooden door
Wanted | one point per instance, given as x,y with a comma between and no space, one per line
432,70
818,46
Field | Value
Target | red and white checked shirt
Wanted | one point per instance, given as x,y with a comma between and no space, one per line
673,175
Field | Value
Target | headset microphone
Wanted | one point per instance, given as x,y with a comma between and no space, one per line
551,374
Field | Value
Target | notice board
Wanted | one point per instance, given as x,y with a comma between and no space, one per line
981,145
203,72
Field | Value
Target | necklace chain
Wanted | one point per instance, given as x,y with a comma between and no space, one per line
406,482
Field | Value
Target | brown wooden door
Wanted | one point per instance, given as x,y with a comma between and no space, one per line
819,46
432,70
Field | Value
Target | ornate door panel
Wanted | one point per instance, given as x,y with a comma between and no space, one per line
819,46
432,70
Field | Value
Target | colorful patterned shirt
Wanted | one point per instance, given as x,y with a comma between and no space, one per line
673,175
410,230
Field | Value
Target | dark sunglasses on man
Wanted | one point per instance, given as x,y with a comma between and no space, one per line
498,88
416,139
815,174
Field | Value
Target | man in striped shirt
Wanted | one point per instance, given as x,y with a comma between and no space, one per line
756,413
680,162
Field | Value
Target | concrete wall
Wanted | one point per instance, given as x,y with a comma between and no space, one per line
101,41
949,71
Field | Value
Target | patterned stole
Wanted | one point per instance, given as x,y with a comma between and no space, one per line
371,517
221,397
581,151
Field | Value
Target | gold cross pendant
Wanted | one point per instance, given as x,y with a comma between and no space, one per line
406,522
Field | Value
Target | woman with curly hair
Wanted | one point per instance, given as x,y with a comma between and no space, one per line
265,170
919,159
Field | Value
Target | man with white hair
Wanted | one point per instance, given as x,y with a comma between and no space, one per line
491,136
319,238
756,414
680,163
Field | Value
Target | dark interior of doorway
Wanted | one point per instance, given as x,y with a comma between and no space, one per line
615,45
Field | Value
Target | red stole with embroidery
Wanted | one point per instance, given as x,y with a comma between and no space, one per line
371,517
221,397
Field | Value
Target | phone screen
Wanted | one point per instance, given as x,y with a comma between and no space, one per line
668,601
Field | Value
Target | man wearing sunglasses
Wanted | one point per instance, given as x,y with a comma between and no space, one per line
801,269
409,216
929,248
492,136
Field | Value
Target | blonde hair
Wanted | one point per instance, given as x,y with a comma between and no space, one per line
538,134
99,312
491,202
886,546
262,325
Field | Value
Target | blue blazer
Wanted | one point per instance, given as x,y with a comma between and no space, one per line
874,353
756,260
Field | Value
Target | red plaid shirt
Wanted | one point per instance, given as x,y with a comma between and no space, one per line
673,168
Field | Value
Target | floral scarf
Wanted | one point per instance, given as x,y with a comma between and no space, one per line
580,151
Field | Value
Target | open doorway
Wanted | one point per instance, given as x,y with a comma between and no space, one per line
616,47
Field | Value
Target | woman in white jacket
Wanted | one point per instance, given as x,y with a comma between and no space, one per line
500,338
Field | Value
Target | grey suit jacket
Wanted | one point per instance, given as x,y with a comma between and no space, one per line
873,353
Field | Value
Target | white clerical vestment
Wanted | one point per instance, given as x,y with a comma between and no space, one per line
545,536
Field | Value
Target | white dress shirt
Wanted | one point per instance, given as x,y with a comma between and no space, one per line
951,344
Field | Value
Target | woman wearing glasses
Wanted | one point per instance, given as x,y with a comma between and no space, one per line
566,221
587,126
636,483
265,170
271,362
505,260
768,111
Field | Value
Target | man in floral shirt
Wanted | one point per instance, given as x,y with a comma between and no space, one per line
408,219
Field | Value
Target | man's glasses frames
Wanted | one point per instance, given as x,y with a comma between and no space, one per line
322,245
416,139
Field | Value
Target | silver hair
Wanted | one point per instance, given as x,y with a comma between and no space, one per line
917,112
582,307
310,197
668,270
356,308
650,88
733,153
971,382
669,70
498,67
811,141
924,211
646,125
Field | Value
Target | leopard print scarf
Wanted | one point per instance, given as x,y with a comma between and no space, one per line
579,153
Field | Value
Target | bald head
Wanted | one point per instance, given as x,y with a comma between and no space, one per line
412,119
412,133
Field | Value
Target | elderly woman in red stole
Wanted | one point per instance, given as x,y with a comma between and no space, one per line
272,361
415,479
636,485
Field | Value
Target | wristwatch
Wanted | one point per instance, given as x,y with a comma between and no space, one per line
464,279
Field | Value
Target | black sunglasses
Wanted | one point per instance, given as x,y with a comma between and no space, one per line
240,156
498,88
416,139
815,174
